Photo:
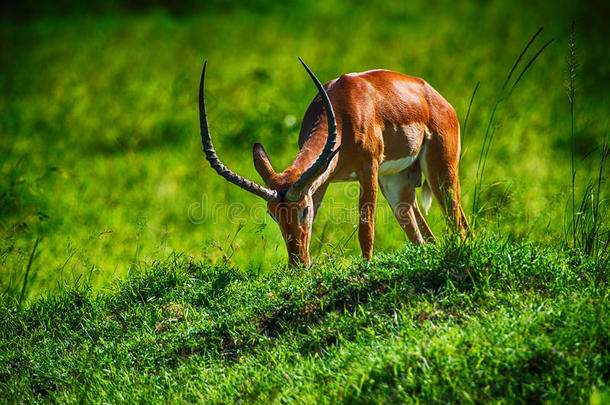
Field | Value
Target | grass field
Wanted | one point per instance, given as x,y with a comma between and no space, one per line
480,323
102,179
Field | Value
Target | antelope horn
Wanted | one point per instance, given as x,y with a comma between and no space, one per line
210,154
294,192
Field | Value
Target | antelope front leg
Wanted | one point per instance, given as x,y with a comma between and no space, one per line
367,205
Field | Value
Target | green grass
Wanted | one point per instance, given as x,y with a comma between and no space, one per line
488,321
101,157
102,180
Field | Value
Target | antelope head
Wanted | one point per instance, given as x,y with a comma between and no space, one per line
288,194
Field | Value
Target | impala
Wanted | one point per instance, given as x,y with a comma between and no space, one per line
376,127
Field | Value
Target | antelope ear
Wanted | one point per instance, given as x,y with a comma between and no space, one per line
262,163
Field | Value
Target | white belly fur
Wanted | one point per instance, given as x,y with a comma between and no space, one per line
396,166
414,133
390,167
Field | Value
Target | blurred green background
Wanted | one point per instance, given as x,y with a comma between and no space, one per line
100,153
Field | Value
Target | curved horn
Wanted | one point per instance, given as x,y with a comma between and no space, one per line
210,154
327,154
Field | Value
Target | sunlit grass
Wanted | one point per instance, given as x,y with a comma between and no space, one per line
102,181
101,112
483,322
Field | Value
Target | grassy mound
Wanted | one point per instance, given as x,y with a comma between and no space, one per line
486,321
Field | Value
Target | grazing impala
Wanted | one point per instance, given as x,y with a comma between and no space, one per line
374,127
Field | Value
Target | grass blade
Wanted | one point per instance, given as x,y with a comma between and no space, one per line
520,57
474,92
530,64
490,130
27,271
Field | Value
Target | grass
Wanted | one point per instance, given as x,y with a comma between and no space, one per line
588,230
491,125
102,175
488,321
101,158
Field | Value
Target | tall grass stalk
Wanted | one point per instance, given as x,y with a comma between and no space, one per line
571,94
503,95
588,232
